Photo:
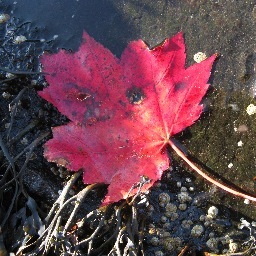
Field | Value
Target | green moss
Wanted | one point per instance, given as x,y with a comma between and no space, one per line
215,143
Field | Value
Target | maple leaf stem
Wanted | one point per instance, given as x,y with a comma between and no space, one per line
195,168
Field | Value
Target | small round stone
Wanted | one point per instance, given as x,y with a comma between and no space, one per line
233,247
211,235
178,184
212,212
154,241
173,216
183,189
177,241
202,218
169,244
6,95
24,141
212,244
230,165
19,39
164,234
164,198
186,223
251,109
183,197
4,17
207,223
171,207
246,201
164,219
240,143
197,231
199,57
159,253
183,207
166,225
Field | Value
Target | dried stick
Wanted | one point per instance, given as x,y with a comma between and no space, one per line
63,195
55,223
79,201
118,225
10,159
31,148
13,111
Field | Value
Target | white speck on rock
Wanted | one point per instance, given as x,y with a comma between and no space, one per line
9,75
240,143
199,57
212,212
197,231
251,109
230,165
4,17
19,39
246,201
6,95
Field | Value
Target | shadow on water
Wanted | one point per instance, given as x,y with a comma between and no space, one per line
68,19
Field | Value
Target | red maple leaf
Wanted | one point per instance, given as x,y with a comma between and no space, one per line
122,111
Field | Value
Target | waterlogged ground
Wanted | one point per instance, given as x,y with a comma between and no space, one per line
222,142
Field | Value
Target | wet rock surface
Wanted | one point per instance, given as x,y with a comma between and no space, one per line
222,142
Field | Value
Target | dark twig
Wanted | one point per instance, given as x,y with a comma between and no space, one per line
14,109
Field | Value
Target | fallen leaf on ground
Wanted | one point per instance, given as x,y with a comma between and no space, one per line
122,111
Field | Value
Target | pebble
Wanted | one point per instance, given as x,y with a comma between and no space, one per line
171,207
6,95
178,184
183,189
246,201
183,207
212,212
233,247
212,244
186,223
251,109
184,197
230,165
188,180
9,75
19,39
197,230
159,253
154,241
24,141
164,219
199,57
191,189
163,199
4,17
240,143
